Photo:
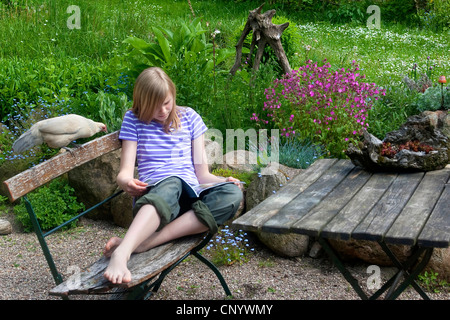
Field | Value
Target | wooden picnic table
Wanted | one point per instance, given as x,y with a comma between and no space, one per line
334,199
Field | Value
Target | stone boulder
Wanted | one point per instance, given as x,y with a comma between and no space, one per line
94,181
239,160
274,177
121,209
440,263
285,245
369,251
440,120
264,186
214,153
288,245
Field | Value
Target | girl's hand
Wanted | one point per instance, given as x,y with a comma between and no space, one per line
135,187
236,181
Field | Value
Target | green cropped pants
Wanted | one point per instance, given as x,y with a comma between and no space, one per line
214,207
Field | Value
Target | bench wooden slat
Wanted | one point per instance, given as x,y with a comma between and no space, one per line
436,233
343,224
257,216
143,266
313,223
309,198
376,224
411,220
28,180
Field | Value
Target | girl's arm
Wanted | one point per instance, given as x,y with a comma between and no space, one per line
125,178
201,163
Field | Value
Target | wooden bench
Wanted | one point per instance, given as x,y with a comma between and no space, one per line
148,269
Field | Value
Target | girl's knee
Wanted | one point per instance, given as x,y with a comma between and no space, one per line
224,203
233,194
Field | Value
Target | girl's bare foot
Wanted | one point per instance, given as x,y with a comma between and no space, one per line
117,271
111,245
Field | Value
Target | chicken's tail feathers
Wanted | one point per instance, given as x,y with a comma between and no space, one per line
27,140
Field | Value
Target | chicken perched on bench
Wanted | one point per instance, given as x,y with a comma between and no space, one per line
58,132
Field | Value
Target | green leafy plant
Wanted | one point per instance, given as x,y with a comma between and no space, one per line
392,110
53,205
246,177
112,108
347,12
188,43
432,283
434,15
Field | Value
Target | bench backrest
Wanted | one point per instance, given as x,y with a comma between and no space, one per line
26,181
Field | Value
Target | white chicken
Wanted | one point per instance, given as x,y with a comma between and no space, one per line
58,132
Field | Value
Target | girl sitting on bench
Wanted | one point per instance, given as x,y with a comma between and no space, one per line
168,141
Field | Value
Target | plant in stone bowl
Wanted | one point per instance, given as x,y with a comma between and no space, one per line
390,150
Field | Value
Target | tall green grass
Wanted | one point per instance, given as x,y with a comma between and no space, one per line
37,28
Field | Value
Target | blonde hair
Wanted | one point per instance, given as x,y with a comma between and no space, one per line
151,88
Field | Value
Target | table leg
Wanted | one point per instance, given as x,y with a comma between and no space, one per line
393,283
410,276
347,275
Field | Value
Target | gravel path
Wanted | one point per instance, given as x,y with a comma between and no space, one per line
24,274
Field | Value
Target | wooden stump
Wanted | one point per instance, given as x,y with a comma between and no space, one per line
264,33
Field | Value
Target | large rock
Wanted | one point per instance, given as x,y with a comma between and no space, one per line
369,251
239,160
121,209
95,181
440,120
440,263
286,245
264,186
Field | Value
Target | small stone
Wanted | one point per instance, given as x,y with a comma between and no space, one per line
5,227
316,250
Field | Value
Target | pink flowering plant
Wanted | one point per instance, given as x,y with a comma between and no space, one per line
315,102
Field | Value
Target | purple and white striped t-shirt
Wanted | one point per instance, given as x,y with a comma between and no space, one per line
159,154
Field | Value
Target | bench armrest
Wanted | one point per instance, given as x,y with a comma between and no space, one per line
30,179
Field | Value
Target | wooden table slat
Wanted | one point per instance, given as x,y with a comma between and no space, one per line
378,221
343,224
257,216
414,215
313,223
436,232
309,198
